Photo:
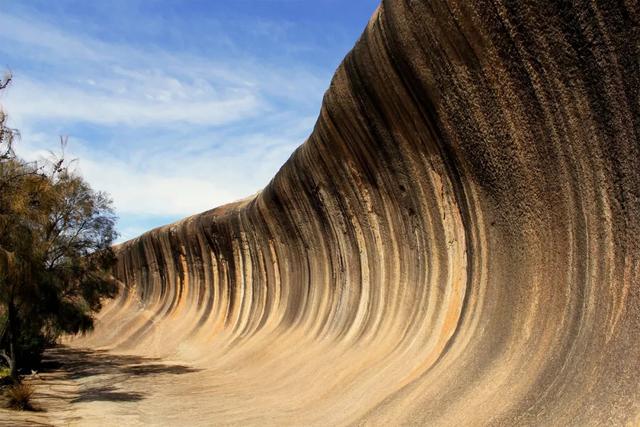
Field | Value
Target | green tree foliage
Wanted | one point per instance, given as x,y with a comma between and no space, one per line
55,253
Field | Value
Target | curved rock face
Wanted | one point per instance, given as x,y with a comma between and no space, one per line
457,242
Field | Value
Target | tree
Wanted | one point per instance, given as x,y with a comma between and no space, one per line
55,252
7,134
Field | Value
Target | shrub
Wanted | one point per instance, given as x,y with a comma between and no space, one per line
19,396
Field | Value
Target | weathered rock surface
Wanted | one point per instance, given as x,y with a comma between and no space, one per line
457,242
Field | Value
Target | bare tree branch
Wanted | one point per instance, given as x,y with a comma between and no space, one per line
6,80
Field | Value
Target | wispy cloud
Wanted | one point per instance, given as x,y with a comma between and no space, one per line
160,100
112,83
167,133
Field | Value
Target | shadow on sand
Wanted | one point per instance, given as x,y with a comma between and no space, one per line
101,372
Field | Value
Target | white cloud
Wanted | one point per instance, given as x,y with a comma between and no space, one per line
175,180
141,106
177,133
44,39
109,83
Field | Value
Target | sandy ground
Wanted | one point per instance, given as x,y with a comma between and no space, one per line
96,388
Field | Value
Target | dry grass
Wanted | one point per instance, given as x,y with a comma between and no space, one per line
19,397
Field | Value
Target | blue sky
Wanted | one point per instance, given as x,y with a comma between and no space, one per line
173,107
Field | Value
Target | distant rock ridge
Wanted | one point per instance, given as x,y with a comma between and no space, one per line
456,243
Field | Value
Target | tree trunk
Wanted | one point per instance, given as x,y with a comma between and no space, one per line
13,342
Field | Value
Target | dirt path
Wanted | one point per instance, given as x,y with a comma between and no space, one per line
97,388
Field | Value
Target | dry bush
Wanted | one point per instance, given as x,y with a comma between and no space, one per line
19,397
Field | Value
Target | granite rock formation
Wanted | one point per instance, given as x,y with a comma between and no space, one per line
456,243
